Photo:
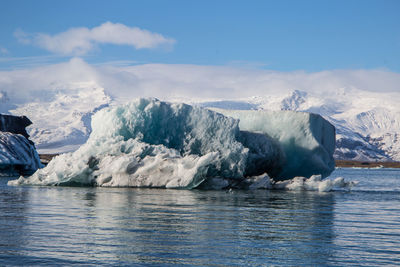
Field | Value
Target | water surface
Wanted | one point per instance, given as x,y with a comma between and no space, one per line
127,226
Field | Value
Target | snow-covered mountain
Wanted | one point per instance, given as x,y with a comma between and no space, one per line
60,99
62,119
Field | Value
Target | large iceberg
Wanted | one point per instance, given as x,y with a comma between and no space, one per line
150,143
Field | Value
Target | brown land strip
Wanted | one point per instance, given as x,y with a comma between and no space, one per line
367,164
45,158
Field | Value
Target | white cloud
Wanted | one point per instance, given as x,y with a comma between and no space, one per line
79,41
192,82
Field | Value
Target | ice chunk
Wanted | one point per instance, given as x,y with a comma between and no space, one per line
314,183
17,154
307,139
263,181
150,143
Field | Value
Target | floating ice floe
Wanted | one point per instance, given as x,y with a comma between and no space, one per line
314,183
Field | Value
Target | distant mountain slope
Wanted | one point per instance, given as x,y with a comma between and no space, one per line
61,120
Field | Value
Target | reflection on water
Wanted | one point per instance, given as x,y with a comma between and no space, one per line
124,226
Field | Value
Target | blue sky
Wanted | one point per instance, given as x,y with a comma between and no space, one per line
276,35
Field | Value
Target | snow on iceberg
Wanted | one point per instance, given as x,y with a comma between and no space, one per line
307,139
150,143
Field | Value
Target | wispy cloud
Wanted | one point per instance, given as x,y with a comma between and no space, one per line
7,62
3,50
80,41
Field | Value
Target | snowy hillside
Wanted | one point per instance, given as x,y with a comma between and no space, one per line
60,99
62,119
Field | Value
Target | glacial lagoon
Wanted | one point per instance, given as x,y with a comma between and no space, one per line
92,226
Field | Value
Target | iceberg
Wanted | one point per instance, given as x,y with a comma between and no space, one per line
17,155
151,143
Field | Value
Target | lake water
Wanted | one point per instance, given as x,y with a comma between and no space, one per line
126,226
